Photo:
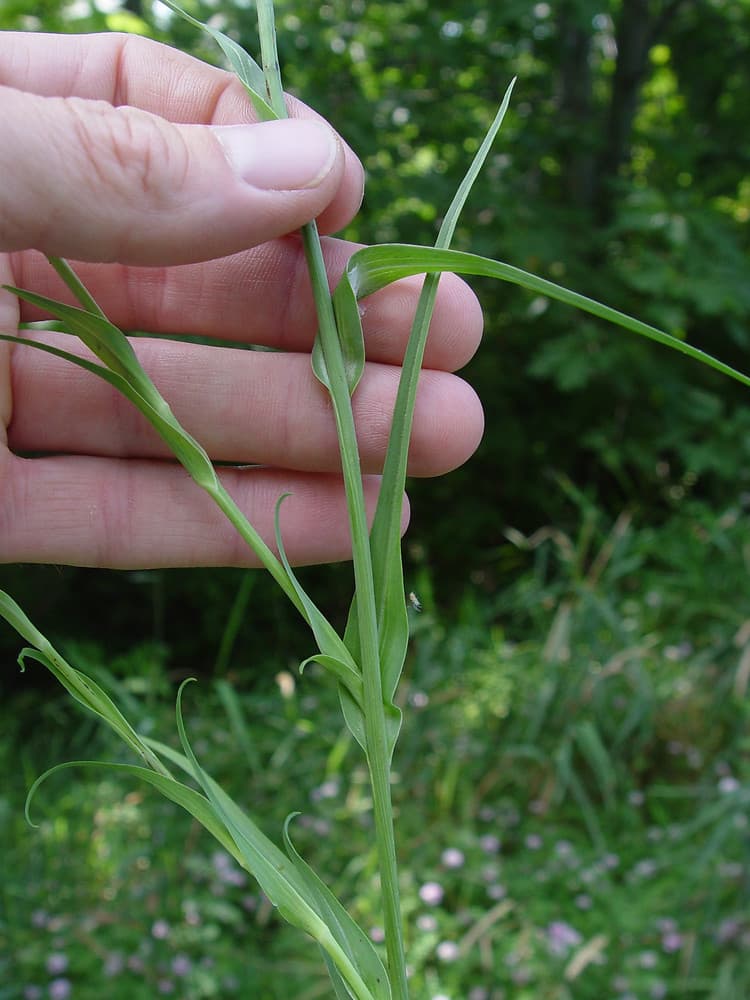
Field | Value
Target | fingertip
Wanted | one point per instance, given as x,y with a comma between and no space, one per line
456,327
371,485
448,424
284,155
348,198
405,514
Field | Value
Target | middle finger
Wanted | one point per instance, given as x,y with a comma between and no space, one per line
263,296
243,406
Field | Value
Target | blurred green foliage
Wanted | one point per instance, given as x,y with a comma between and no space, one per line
571,790
623,170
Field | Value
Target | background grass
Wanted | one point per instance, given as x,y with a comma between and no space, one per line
621,171
571,797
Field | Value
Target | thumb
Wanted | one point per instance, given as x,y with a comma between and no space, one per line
86,180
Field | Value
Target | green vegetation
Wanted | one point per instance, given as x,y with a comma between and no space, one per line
572,787
571,798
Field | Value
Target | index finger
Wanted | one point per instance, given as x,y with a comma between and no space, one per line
132,70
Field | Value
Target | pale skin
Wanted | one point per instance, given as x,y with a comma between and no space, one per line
107,161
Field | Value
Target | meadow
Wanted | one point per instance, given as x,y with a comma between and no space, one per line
570,793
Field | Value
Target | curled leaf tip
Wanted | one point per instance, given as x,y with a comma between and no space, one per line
292,815
180,689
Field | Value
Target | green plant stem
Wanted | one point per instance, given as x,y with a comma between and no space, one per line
233,513
378,753
269,56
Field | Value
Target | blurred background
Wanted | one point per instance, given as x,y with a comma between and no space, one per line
573,779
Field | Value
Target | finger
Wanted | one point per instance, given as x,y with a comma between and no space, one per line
99,183
131,70
9,318
81,511
243,406
263,296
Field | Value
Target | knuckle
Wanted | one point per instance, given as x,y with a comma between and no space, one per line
129,151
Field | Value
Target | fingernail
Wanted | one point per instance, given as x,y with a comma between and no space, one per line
284,155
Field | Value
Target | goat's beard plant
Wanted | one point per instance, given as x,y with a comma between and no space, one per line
366,662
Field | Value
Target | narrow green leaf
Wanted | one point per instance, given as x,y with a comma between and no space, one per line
347,932
448,226
274,855
373,268
275,874
182,795
355,720
330,643
354,716
77,287
385,540
350,337
183,445
239,727
242,64
365,977
342,671
88,693
340,990
586,735
83,689
270,57
235,618
101,337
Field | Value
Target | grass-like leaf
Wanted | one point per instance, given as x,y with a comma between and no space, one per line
270,56
367,662
351,342
351,936
122,370
238,724
385,541
101,337
334,655
277,876
375,267
182,795
83,689
242,64
156,410
342,671
280,879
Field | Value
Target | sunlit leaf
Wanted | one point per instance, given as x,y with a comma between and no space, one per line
385,540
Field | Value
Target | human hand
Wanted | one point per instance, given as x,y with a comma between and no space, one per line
110,157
